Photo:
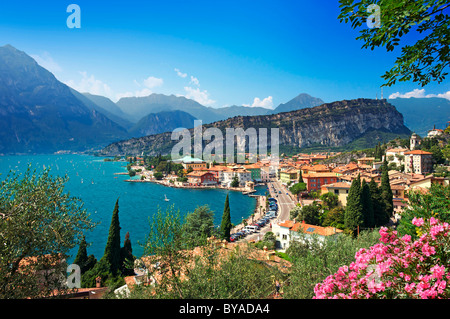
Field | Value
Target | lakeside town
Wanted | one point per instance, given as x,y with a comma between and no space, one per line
409,169
351,202
317,181
322,180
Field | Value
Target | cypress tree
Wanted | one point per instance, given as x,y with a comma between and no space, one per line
386,191
300,178
377,148
86,263
379,209
225,226
353,211
112,249
380,151
126,257
367,205
81,257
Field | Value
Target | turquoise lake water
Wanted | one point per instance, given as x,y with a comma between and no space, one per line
93,180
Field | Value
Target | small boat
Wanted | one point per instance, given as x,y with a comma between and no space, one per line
165,198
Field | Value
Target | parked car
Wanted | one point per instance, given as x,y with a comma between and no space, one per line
235,236
252,228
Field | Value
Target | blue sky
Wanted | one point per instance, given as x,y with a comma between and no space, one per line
217,52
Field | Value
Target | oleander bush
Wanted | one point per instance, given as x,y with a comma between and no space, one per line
396,267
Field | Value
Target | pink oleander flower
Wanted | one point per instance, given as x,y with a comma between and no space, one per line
441,286
433,221
438,271
428,250
406,238
396,267
435,230
417,221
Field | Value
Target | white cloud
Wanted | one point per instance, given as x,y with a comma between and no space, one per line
194,93
180,74
146,85
266,102
419,93
91,85
445,95
47,62
139,93
413,93
201,97
194,80
152,82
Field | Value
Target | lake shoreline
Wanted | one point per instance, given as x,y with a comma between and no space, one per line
98,185
258,212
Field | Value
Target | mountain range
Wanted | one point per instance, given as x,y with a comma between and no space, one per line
301,101
328,125
165,121
39,114
422,114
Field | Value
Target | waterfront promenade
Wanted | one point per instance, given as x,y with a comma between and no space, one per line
285,202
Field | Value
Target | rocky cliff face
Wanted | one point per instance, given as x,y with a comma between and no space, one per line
331,124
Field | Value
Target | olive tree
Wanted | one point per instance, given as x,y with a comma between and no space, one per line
39,224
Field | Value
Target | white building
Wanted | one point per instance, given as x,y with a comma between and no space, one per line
290,230
418,162
414,141
396,155
265,173
229,174
435,132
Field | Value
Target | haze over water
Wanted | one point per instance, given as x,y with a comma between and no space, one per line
93,180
